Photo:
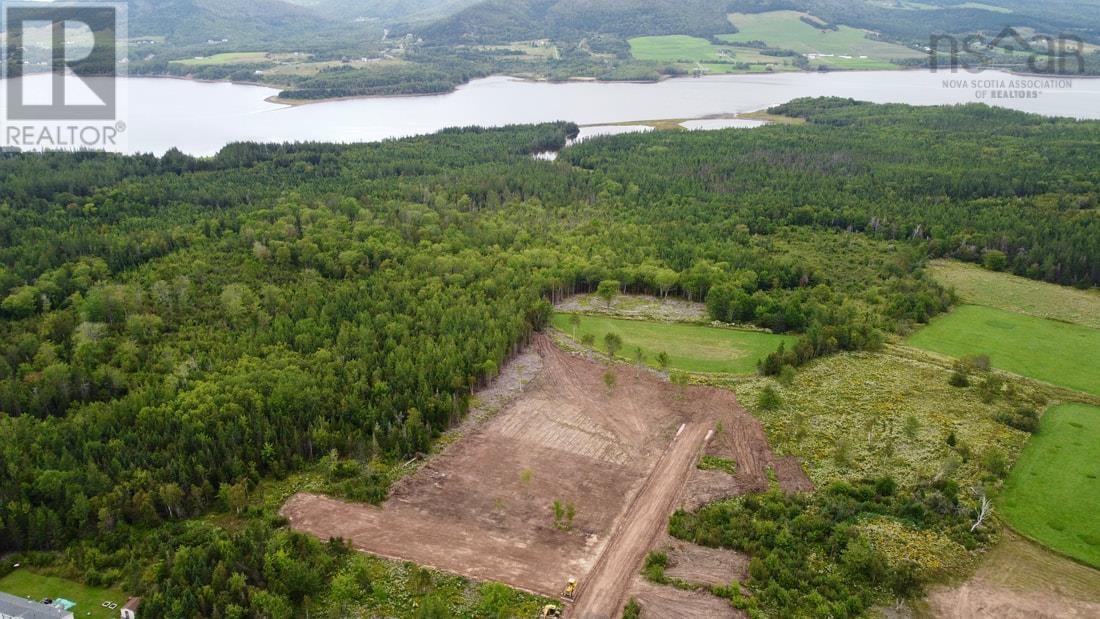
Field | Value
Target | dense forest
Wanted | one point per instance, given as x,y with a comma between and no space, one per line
789,535
965,183
572,20
179,332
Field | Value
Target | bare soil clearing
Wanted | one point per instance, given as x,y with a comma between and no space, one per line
1019,578
746,444
483,507
603,592
704,566
980,599
661,602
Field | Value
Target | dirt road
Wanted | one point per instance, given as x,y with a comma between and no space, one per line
603,594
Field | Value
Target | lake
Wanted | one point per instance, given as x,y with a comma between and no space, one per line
200,118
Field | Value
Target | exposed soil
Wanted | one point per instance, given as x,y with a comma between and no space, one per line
1019,578
660,602
978,598
700,565
604,591
483,508
746,443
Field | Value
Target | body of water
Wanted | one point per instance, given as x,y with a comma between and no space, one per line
200,118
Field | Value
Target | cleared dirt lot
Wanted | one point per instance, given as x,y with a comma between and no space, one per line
660,602
745,442
1020,579
484,507
701,565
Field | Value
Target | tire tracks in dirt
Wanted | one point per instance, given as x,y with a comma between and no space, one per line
604,592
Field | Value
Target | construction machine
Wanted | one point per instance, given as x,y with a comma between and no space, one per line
570,591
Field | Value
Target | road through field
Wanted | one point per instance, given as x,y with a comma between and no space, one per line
602,595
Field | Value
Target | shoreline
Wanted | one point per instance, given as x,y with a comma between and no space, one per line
277,100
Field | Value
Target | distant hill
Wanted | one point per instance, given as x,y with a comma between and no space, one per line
514,20
184,22
388,11
916,21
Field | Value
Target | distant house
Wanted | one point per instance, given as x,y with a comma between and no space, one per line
130,608
12,607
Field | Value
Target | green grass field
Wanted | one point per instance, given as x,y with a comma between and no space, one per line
675,48
1018,294
527,49
714,58
26,584
985,7
1053,491
1055,352
905,5
693,348
226,58
785,30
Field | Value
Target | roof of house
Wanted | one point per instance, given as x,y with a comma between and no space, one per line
132,604
26,609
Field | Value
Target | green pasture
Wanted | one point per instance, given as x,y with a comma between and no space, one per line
714,58
1055,352
693,348
1053,492
786,30
226,58
1017,294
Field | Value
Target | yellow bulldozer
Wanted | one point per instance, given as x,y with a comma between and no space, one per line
570,590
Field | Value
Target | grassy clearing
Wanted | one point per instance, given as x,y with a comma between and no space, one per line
675,48
864,415
1019,294
27,584
695,50
528,49
1054,489
984,7
226,58
693,348
854,64
1055,352
786,30
905,5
